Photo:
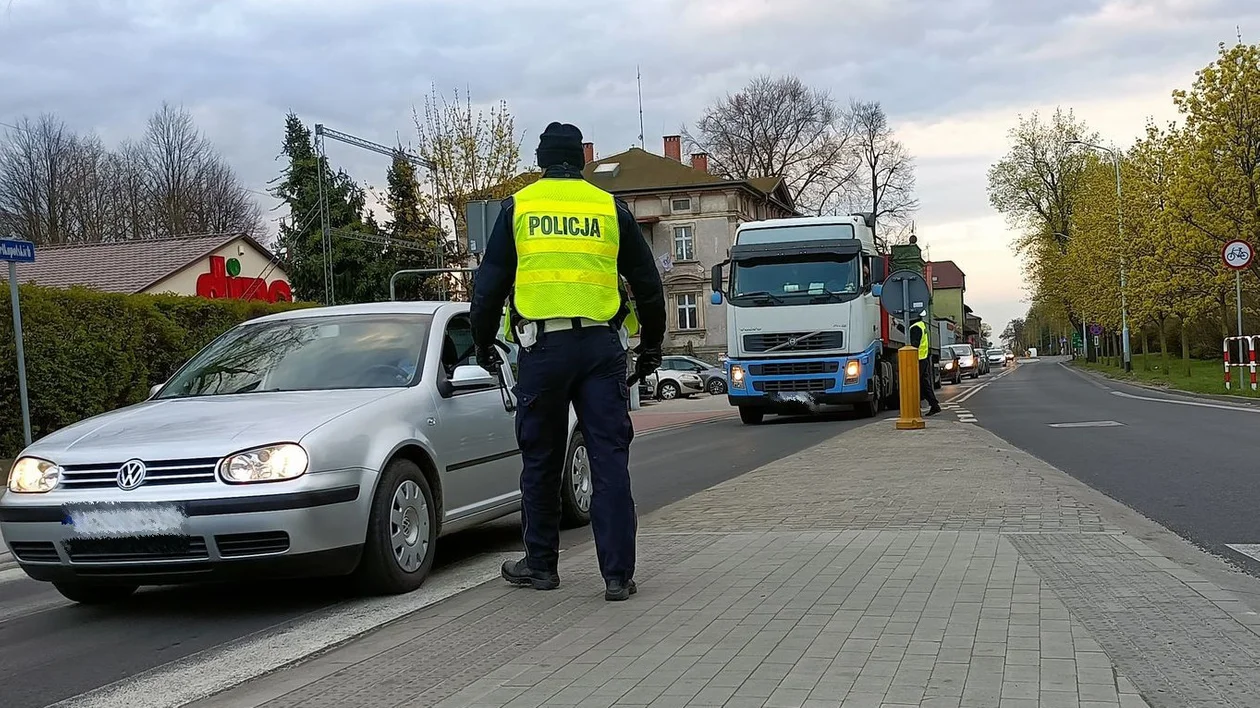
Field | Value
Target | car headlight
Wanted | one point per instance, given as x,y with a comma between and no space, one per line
737,376
274,463
949,365
31,475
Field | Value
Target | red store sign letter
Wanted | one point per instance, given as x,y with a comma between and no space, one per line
217,283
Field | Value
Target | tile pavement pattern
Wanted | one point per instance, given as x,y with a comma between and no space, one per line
982,583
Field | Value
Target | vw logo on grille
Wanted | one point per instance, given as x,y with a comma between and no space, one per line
131,475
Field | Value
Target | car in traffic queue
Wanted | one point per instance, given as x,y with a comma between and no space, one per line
948,366
996,357
316,442
968,362
982,361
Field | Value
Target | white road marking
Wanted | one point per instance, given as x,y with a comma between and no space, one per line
1087,424
1251,550
1199,404
220,668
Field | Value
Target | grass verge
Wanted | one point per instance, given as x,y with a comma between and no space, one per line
1194,376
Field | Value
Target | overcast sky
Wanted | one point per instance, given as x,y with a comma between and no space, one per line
952,74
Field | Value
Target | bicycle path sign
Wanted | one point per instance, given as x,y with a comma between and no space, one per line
1237,255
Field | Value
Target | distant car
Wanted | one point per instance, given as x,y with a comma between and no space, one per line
666,385
1010,356
997,357
982,361
967,360
713,378
949,366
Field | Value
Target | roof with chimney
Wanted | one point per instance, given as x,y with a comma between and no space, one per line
123,266
947,274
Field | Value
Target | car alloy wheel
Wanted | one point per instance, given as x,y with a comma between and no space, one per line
667,391
579,485
717,387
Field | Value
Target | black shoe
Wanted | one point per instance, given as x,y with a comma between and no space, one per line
518,573
934,410
618,590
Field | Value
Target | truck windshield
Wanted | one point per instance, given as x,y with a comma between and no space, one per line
789,278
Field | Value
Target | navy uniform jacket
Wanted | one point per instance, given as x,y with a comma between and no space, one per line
497,273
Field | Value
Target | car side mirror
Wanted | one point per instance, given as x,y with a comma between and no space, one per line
471,376
153,390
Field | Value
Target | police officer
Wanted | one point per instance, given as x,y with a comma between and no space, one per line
919,338
558,249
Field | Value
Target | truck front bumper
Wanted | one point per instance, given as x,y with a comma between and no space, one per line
776,384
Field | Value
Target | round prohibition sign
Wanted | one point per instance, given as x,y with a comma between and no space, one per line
1237,254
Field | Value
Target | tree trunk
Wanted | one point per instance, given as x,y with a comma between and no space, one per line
1185,348
1146,348
1163,345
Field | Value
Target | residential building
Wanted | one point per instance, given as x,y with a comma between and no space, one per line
949,287
213,266
689,217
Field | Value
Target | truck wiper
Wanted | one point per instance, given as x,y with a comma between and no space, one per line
825,296
762,295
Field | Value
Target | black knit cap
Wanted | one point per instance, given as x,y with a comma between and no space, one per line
560,143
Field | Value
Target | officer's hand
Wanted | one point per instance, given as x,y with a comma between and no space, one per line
488,359
648,362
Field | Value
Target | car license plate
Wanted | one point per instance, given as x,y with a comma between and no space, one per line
119,519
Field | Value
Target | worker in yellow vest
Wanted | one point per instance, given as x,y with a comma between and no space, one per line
556,256
920,339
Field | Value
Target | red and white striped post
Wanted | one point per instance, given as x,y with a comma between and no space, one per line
1225,348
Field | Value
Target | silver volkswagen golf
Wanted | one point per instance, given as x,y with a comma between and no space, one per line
328,441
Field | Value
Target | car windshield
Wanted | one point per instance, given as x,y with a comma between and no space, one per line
799,277
307,354
962,349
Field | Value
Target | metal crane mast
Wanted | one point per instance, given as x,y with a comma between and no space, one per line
322,132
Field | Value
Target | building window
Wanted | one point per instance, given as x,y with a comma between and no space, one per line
684,244
688,310
681,204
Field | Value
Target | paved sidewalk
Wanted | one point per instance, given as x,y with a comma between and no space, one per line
841,576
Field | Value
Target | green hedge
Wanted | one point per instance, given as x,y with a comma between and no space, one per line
89,352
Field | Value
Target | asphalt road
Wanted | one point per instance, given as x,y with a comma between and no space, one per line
1188,463
51,650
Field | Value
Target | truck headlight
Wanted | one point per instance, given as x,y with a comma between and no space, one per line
737,376
31,475
852,370
274,463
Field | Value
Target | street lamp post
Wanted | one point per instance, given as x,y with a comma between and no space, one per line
1124,307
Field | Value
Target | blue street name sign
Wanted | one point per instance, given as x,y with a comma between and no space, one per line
17,251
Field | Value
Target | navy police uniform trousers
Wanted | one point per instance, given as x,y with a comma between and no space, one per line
587,367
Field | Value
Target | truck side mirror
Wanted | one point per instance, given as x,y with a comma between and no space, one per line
715,281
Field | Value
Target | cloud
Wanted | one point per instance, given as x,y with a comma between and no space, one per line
952,75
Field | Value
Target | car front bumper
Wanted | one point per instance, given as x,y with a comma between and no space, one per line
315,525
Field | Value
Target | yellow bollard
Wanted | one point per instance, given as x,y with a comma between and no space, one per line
908,376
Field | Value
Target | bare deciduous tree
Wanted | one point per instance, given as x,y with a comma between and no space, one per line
57,187
887,180
781,127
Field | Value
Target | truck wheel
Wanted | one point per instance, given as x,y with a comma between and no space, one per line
751,416
871,408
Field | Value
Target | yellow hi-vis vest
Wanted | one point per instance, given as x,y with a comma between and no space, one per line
566,251
925,344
